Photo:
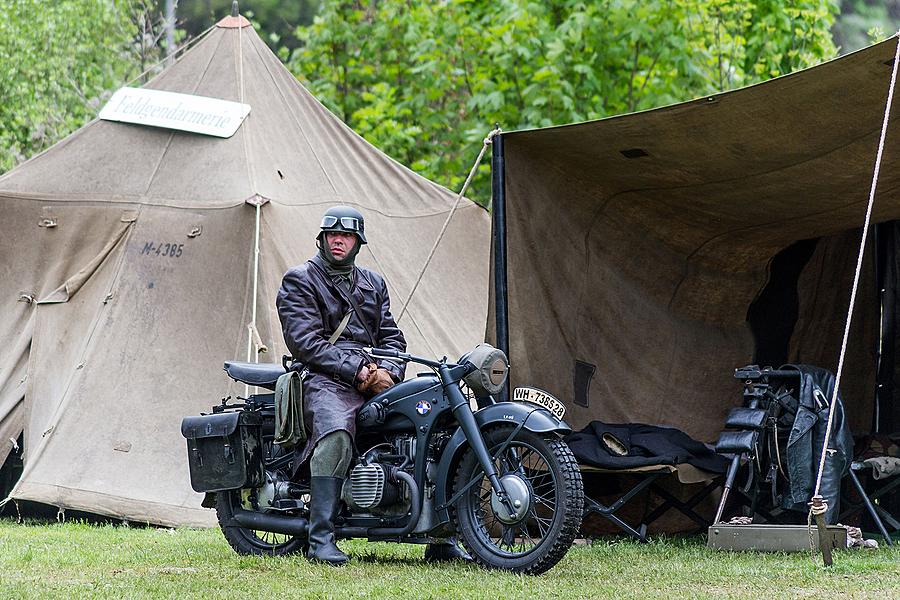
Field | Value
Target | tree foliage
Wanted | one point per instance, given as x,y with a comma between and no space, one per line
864,22
425,81
57,60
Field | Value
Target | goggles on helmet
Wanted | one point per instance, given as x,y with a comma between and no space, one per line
348,223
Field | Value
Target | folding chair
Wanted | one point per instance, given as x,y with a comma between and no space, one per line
869,501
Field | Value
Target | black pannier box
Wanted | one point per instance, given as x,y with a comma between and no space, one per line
224,451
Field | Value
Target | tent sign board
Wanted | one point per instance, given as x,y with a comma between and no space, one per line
171,110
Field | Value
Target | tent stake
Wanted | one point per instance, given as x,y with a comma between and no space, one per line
498,213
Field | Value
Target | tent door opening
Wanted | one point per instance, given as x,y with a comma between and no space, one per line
773,314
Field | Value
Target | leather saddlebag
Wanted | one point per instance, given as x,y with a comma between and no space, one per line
224,451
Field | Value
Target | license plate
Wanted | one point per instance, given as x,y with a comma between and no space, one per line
541,398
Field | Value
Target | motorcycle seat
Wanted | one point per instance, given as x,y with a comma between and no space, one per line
261,374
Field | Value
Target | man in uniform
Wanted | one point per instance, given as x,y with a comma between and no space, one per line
313,299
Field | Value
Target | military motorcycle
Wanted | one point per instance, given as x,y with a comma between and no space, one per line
440,457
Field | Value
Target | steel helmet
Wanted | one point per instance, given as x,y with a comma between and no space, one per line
344,218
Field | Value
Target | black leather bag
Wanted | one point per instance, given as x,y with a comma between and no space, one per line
224,451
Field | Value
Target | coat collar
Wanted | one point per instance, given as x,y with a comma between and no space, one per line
359,279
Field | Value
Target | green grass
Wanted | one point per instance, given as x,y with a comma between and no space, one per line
75,560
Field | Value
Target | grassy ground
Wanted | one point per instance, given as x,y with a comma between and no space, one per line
80,560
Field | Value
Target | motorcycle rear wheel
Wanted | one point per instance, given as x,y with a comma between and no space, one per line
248,541
549,526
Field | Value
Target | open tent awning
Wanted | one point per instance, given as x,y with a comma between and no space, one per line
637,244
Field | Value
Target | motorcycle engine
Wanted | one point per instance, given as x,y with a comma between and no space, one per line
369,488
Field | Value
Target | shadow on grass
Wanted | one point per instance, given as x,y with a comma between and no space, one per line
416,561
388,559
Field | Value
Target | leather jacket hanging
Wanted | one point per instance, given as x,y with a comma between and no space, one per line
804,446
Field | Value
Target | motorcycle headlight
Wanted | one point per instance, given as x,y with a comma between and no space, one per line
491,370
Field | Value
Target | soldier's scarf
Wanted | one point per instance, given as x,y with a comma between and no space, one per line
339,271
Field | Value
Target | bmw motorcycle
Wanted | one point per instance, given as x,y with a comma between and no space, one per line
440,457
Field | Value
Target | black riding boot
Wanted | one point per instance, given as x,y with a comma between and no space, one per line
446,551
324,503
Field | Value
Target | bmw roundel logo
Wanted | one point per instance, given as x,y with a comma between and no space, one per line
423,407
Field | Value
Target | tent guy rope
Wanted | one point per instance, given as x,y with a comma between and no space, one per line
818,507
487,142
174,56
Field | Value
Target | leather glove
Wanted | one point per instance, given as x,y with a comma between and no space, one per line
364,375
378,381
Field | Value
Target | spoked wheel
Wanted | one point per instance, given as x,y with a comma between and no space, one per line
544,483
249,541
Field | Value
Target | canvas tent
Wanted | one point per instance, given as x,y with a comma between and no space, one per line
639,245
128,270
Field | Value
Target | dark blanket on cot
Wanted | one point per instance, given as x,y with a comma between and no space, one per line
643,445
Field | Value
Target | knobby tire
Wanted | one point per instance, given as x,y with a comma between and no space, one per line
478,527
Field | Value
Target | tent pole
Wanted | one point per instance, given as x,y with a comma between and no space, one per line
886,282
169,28
498,213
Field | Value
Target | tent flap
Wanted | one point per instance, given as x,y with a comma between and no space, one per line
68,289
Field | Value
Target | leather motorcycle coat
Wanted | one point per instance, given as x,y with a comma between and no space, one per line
804,448
310,307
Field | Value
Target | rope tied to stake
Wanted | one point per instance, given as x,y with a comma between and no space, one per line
817,509
487,142
818,506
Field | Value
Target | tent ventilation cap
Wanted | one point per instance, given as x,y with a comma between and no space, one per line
235,20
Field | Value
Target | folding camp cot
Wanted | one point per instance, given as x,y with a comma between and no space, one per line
648,479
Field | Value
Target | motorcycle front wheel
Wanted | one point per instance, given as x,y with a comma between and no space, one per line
249,541
546,475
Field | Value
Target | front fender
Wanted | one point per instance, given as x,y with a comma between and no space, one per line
531,417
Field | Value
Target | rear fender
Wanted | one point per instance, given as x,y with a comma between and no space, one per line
528,416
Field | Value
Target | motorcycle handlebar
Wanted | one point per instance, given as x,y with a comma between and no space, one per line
388,353
754,373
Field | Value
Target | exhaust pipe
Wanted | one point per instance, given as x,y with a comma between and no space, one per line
275,523
271,522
